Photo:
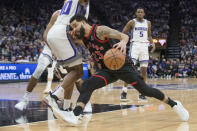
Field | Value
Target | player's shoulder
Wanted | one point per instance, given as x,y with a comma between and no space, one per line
56,12
149,22
101,27
132,21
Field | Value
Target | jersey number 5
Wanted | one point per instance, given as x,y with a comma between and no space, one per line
141,34
66,8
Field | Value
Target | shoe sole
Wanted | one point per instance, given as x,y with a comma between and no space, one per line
184,109
54,112
20,109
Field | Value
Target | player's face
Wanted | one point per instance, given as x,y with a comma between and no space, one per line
140,13
78,29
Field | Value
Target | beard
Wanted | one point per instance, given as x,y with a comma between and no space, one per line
82,33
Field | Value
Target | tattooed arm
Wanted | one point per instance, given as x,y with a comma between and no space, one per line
104,32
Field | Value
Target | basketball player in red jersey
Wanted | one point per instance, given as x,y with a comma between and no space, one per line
98,40
140,38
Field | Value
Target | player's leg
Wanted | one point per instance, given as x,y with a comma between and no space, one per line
88,106
50,77
123,96
137,82
75,73
96,81
143,60
134,55
143,68
43,62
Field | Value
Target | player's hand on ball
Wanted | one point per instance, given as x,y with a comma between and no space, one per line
121,46
153,48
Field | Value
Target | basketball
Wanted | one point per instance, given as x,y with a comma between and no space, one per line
114,59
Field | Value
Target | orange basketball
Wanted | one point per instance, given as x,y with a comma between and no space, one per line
114,59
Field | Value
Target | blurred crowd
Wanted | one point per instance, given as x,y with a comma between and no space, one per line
172,68
22,26
118,13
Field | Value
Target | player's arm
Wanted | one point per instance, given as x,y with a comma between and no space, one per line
51,23
150,37
106,32
128,27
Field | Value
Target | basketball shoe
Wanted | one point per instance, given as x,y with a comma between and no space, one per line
181,111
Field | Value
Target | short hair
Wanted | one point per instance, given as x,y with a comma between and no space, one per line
78,18
140,8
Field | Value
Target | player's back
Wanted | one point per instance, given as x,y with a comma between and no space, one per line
69,9
140,31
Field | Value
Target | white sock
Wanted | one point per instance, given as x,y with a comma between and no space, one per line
48,84
67,103
124,89
59,92
26,95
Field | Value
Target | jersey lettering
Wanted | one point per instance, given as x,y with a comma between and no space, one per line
66,8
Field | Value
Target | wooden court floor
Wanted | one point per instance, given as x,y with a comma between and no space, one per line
109,114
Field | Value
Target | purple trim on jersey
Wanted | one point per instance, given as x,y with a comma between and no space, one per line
81,9
77,8
51,59
144,61
85,11
69,41
134,59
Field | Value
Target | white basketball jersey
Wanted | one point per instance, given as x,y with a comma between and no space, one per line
46,51
140,31
70,8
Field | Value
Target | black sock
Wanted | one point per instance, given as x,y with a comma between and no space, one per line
78,110
171,102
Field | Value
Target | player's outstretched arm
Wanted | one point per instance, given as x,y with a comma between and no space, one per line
106,32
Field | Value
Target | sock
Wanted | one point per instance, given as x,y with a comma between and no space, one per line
26,95
78,110
59,92
171,102
67,103
48,84
124,89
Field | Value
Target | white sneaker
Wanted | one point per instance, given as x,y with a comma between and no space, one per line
88,107
21,120
51,102
181,111
22,104
66,116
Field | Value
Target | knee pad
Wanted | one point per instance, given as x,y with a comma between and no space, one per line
39,70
